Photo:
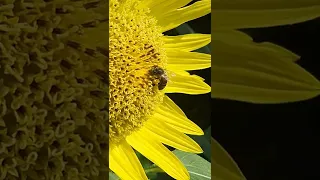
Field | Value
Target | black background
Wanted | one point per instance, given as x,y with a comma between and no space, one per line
275,142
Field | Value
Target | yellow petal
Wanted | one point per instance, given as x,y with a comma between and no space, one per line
253,94
174,117
157,7
187,84
187,42
231,36
262,13
124,162
171,137
177,17
250,54
181,60
158,154
169,104
259,74
223,165
236,37
287,55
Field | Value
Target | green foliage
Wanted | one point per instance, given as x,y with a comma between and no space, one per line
198,168
205,143
150,169
112,176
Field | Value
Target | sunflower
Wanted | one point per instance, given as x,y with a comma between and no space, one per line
144,65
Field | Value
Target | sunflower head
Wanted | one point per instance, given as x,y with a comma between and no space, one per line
136,46
141,62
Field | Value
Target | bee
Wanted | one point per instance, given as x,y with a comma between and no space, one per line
160,74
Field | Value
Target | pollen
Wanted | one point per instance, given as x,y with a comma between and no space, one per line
135,46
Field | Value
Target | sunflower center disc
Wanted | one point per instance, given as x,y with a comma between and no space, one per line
135,46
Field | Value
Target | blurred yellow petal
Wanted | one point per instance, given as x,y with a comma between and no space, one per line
222,165
180,60
124,162
187,42
232,36
259,74
156,152
171,137
177,17
240,38
263,13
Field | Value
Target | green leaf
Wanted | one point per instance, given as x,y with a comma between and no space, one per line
152,175
238,14
257,72
184,29
150,168
113,176
222,165
146,163
205,143
198,168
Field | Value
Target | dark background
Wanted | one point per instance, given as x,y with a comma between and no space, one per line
275,142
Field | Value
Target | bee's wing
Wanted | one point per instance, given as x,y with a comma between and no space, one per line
170,75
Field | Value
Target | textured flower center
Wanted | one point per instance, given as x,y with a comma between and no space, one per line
53,89
135,48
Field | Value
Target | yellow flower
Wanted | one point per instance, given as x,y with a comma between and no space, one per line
141,116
